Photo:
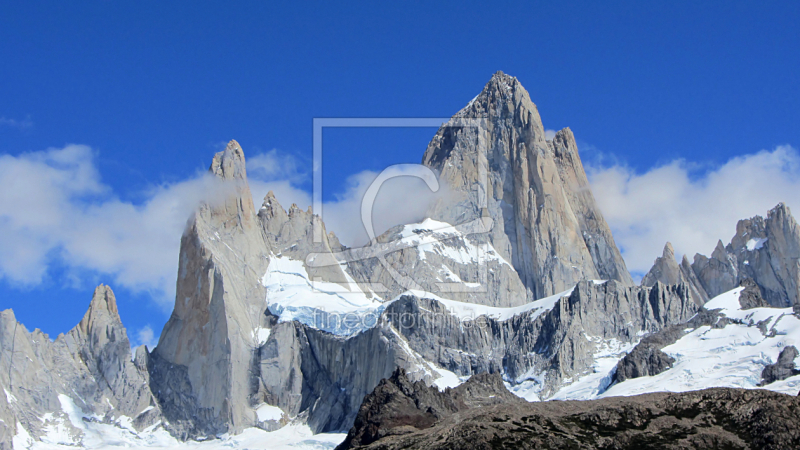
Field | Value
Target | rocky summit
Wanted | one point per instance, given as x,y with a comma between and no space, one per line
436,334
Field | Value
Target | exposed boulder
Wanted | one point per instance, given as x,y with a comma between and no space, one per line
783,368
751,296
643,361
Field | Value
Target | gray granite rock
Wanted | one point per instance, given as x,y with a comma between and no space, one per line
783,368
666,270
764,250
546,221
90,367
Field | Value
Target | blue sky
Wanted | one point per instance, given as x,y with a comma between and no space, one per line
657,92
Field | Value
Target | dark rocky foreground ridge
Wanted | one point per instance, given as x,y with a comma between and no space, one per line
482,414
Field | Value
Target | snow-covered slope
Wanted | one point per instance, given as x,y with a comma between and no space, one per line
345,311
122,436
331,307
729,356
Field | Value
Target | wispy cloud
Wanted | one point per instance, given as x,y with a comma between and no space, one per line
23,124
689,204
56,212
144,336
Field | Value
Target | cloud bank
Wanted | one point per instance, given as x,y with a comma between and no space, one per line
55,210
690,205
57,213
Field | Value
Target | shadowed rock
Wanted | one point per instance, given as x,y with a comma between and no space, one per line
783,368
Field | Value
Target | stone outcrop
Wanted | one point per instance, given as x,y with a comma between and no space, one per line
399,404
751,296
494,158
764,250
400,415
643,361
783,368
89,367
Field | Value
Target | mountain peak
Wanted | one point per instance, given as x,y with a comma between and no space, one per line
229,164
779,212
103,301
102,312
500,77
669,252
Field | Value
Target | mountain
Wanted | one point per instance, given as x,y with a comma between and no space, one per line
280,330
766,251
546,221
666,270
50,385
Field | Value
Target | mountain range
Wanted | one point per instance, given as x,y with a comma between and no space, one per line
277,327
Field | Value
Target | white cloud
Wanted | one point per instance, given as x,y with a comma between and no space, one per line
549,134
278,172
55,210
401,200
274,165
692,208
145,336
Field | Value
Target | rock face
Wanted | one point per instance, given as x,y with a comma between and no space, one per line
89,370
751,296
308,371
546,221
783,368
666,270
441,259
399,414
643,361
559,344
764,250
207,345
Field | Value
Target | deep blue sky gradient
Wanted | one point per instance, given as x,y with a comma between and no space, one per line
154,87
